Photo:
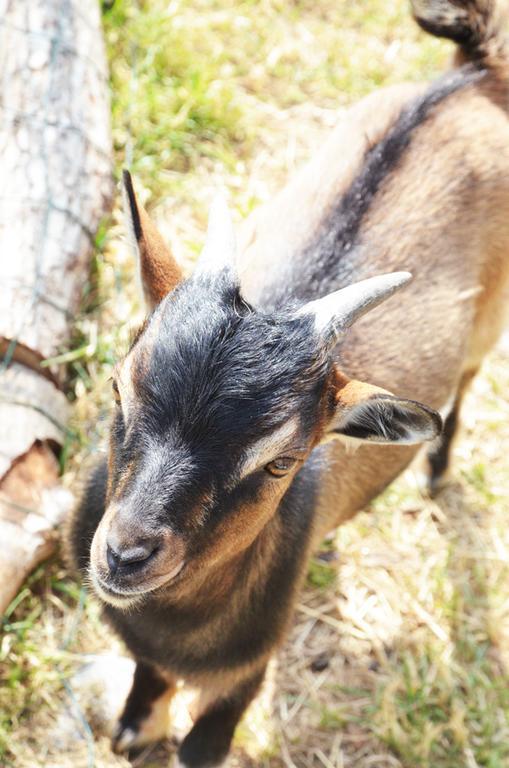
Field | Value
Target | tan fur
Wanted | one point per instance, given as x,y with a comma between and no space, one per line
129,371
157,724
276,230
207,588
158,271
350,392
453,237
154,727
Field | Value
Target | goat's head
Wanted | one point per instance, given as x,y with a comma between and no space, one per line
217,407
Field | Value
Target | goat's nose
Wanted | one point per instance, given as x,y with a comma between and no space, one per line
129,559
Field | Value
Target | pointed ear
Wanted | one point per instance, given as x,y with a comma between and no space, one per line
158,270
371,414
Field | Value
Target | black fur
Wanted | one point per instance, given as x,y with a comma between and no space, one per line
157,633
213,732
83,525
468,23
225,379
383,418
133,206
461,32
253,627
439,457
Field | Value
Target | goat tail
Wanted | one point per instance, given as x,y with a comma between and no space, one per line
476,26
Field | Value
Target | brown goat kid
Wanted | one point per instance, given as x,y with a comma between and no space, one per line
224,470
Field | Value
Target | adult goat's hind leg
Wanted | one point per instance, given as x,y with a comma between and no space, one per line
439,456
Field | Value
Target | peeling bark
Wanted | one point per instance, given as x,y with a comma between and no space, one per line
32,503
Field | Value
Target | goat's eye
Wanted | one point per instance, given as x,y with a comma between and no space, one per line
280,467
116,393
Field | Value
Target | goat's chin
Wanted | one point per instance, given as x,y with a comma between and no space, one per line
129,598
120,601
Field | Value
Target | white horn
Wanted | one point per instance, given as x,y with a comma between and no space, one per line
336,312
219,250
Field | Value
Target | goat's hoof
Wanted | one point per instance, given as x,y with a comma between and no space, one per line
124,739
430,484
138,733
437,484
433,485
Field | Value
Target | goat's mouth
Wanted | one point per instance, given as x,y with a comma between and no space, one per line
124,596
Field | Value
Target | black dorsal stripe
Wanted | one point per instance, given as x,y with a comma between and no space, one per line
340,231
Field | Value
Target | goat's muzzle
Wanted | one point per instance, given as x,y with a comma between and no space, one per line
128,561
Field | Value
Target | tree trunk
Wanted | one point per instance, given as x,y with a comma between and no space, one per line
55,185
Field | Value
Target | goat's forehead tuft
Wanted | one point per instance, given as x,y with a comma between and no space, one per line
212,368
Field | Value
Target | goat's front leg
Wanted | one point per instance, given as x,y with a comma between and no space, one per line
146,715
208,742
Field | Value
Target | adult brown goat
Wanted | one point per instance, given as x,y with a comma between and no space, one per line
223,472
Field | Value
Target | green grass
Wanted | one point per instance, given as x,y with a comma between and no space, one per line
321,575
414,618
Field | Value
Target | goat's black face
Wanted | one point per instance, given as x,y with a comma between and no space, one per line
217,407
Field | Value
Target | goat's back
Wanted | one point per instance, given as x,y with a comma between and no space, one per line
439,212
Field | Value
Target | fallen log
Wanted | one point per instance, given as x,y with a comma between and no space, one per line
55,186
